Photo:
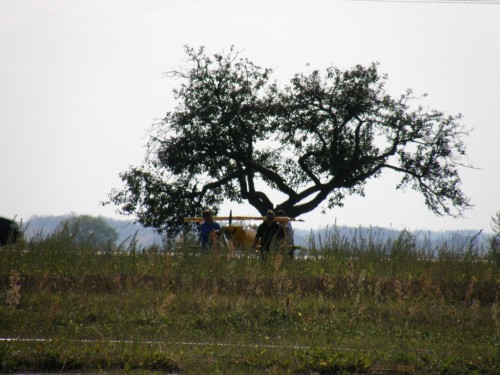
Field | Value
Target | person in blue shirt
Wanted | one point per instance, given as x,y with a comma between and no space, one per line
209,231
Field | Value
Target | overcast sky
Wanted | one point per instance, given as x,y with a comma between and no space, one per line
81,82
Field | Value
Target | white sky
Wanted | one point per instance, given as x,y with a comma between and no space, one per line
81,83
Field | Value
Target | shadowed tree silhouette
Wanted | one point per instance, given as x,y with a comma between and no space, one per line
236,135
10,231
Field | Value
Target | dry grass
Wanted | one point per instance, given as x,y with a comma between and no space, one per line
340,310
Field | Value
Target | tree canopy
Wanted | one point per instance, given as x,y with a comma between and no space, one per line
237,135
86,229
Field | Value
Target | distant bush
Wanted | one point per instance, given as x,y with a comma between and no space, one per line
85,229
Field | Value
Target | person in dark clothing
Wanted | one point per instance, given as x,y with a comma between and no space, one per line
268,234
209,231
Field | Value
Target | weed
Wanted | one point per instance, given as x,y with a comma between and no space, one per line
13,295
324,361
351,306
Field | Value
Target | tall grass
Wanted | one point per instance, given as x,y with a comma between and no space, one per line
357,304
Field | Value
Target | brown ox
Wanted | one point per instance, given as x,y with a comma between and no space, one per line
239,237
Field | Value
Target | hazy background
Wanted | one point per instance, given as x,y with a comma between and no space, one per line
81,82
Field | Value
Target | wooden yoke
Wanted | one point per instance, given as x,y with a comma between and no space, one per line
280,219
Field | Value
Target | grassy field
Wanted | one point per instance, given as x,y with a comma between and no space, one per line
350,307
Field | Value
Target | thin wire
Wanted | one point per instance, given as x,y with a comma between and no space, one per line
472,2
177,343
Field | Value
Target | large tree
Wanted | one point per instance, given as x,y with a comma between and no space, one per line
236,135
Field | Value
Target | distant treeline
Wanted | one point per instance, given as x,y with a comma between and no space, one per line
128,230
376,237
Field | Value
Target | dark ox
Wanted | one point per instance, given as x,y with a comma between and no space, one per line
9,231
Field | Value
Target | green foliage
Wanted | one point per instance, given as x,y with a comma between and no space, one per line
330,362
315,140
65,356
495,239
86,229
